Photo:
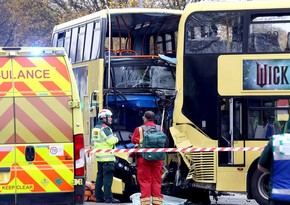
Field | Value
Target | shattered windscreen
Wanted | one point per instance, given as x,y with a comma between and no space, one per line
144,76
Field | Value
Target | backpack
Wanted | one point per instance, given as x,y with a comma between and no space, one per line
153,137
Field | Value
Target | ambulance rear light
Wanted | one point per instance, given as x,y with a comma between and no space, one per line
79,197
79,155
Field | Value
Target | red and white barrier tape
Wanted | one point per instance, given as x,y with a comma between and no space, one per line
216,149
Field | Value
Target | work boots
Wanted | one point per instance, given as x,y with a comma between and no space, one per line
112,200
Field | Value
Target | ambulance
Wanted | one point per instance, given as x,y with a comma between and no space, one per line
41,129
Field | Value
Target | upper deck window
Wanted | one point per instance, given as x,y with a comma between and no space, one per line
269,34
213,32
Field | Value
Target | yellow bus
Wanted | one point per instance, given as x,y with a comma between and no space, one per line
124,60
233,91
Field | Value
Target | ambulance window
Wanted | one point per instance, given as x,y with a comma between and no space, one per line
80,47
88,41
73,47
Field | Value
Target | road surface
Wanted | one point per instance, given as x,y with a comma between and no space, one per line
231,199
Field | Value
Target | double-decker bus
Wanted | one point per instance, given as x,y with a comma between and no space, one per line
123,60
233,83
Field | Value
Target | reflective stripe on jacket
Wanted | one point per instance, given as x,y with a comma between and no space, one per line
281,166
103,138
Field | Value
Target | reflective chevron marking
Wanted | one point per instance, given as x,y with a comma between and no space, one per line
40,169
34,76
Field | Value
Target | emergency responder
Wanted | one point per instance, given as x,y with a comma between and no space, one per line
149,172
103,138
275,159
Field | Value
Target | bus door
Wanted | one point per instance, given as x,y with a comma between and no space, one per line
231,117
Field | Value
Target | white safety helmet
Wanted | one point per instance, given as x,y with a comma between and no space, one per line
104,113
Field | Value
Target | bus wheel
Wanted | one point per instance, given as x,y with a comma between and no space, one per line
260,187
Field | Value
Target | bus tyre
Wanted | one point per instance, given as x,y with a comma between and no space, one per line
259,187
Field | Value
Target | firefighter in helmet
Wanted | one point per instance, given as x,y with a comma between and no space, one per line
103,138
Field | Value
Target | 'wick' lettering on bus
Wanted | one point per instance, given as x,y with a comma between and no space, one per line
25,74
268,75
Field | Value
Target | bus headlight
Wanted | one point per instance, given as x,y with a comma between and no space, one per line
120,165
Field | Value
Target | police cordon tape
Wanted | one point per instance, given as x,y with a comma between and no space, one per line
191,149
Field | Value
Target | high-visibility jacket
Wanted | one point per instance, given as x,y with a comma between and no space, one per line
281,166
103,138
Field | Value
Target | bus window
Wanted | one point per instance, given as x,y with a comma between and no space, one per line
154,76
80,45
225,122
269,34
81,76
88,41
73,47
119,44
59,40
231,119
67,41
165,44
151,46
214,33
159,44
168,41
265,117
96,40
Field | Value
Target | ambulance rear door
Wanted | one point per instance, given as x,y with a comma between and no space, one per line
43,130
7,148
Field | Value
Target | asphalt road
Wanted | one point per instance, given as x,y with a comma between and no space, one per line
230,199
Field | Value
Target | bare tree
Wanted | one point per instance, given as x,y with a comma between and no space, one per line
30,23
6,25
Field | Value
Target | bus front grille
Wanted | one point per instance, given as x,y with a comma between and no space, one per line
202,167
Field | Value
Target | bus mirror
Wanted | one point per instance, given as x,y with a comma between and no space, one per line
94,98
94,104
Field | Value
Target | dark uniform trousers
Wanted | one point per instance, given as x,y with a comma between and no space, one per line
105,178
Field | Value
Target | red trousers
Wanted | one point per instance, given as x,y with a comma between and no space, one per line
149,175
